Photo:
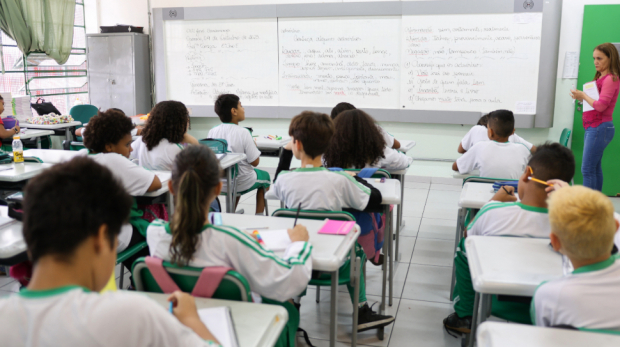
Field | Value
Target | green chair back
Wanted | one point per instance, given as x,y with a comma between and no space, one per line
218,146
83,113
233,286
565,136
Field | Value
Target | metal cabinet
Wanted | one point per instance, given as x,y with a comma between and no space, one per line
119,72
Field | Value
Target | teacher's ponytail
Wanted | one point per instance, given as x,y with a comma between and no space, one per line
614,60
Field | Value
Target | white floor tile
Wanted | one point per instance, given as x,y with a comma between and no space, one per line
5,280
448,197
416,185
420,324
405,248
439,210
412,225
428,283
443,229
452,187
433,252
374,279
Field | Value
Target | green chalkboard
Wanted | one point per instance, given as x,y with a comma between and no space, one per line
600,25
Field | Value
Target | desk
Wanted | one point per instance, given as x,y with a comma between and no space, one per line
498,266
494,334
328,252
12,244
456,174
53,156
18,175
227,162
63,128
270,145
257,325
405,146
159,196
390,193
27,134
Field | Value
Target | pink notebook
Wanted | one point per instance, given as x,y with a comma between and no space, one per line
336,227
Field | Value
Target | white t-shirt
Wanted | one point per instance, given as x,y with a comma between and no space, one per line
496,160
510,219
319,189
161,157
394,160
71,316
274,277
389,139
479,133
587,298
239,141
134,178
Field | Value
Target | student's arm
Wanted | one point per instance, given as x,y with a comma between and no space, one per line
396,144
255,162
156,184
505,194
189,139
185,310
8,133
285,162
455,167
250,149
467,162
78,132
374,203
394,160
461,149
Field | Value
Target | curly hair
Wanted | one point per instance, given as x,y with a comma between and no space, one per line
168,120
356,143
107,127
341,107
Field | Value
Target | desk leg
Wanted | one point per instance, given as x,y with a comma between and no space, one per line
229,207
399,216
39,142
474,321
333,312
384,266
388,223
485,307
355,282
457,239
170,202
68,135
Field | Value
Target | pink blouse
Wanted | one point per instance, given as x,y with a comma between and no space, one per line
604,106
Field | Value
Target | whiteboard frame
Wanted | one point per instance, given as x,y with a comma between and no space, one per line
547,75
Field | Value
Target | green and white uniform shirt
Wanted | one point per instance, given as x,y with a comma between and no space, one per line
510,219
73,316
239,141
319,189
493,159
161,157
274,277
479,133
587,298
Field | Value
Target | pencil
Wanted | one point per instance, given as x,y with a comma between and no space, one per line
297,215
506,190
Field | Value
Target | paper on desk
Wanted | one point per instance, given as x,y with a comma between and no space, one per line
164,176
219,322
525,107
592,91
571,65
275,240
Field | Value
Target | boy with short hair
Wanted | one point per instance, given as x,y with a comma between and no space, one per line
480,132
583,229
317,188
229,109
503,216
72,247
497,158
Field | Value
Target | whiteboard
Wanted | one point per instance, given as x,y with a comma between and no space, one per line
324,61
471,63
205,58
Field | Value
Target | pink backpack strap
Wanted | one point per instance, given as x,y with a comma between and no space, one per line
209,280
163,279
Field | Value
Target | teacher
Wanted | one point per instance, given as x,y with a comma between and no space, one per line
598,123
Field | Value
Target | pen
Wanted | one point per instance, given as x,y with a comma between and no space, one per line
506,190
297,215
171,306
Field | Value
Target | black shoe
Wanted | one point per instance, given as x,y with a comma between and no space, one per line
379,262
460,325
368,319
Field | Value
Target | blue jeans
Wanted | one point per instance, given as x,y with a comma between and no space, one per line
595,142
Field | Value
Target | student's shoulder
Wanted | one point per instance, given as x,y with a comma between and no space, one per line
158,225
494,208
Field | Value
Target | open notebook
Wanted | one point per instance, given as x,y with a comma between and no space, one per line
220,323
275,240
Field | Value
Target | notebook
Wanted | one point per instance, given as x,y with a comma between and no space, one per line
336,227
220,323
275,240
164,176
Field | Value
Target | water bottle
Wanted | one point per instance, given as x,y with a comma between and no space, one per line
77,102
18,150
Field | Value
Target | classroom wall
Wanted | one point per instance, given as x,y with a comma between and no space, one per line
433,140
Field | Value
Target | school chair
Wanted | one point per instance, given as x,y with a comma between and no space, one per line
76,146
565,136
82,114
126,254
345,277
220,146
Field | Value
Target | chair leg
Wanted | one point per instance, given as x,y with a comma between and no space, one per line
266,208
318,294
120,284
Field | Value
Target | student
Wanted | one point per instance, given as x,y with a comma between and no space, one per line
582,228
229,109
189,239
479,133
137,131
108,138
497,158
317,188
357,143
6,133
163,135
72,247
390,141
502,216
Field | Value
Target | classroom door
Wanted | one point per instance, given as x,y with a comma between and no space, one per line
600,25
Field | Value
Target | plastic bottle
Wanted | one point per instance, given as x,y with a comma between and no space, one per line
18,150
77,102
